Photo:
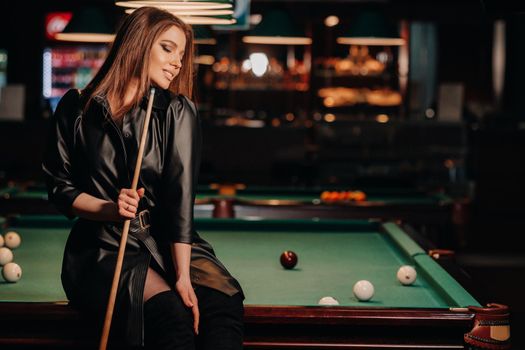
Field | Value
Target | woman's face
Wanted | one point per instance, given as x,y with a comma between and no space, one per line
165,59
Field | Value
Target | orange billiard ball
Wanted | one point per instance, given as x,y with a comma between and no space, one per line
345,195
334,196
359,196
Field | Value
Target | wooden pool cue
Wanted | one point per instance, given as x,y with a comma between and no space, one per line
124,238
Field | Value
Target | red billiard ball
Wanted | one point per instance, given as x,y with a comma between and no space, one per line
288,259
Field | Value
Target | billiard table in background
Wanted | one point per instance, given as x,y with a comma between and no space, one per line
281,310
436,215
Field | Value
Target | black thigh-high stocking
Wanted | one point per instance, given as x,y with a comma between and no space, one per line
168,323
221,320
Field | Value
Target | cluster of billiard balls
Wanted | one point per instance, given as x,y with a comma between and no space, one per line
11,271
343,196
363,290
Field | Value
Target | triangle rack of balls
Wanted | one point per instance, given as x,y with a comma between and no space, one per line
11,271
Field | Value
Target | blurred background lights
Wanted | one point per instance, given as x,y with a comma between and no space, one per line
246,65
331,21
259,62
430,113
382,118
329,118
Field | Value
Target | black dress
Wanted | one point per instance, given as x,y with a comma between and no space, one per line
87,152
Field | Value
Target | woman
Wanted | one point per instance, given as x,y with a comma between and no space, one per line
89,164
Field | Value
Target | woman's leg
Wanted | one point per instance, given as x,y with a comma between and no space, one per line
155,284
221,322
168,323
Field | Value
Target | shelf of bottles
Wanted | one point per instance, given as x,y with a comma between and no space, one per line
70,67
260,70
365,81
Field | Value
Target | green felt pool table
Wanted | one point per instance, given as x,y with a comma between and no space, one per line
281,310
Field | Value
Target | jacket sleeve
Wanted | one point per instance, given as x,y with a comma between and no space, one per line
180,172
57,162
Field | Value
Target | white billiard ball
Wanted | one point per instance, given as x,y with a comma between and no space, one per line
12,240
6,256
12,272
363,290
406,275
328,301
1,241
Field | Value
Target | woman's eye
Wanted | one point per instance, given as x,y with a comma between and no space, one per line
165,48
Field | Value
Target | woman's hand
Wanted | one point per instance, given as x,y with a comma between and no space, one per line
186,292
128,203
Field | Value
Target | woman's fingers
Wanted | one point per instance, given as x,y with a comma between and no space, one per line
190,300
196,316
128,200
196,312
127,206
187,294
124,212
130,193
186,298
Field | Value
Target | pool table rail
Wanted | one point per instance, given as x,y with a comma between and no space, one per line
59,326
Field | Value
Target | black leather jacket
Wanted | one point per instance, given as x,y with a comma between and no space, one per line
87,152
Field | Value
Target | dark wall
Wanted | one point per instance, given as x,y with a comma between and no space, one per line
515,70
21,149
22,34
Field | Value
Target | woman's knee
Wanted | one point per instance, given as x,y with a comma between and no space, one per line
237,306
222,326
218,306
168,305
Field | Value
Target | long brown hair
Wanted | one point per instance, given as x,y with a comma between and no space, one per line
128,59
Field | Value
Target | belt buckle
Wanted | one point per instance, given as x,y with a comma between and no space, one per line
144,219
